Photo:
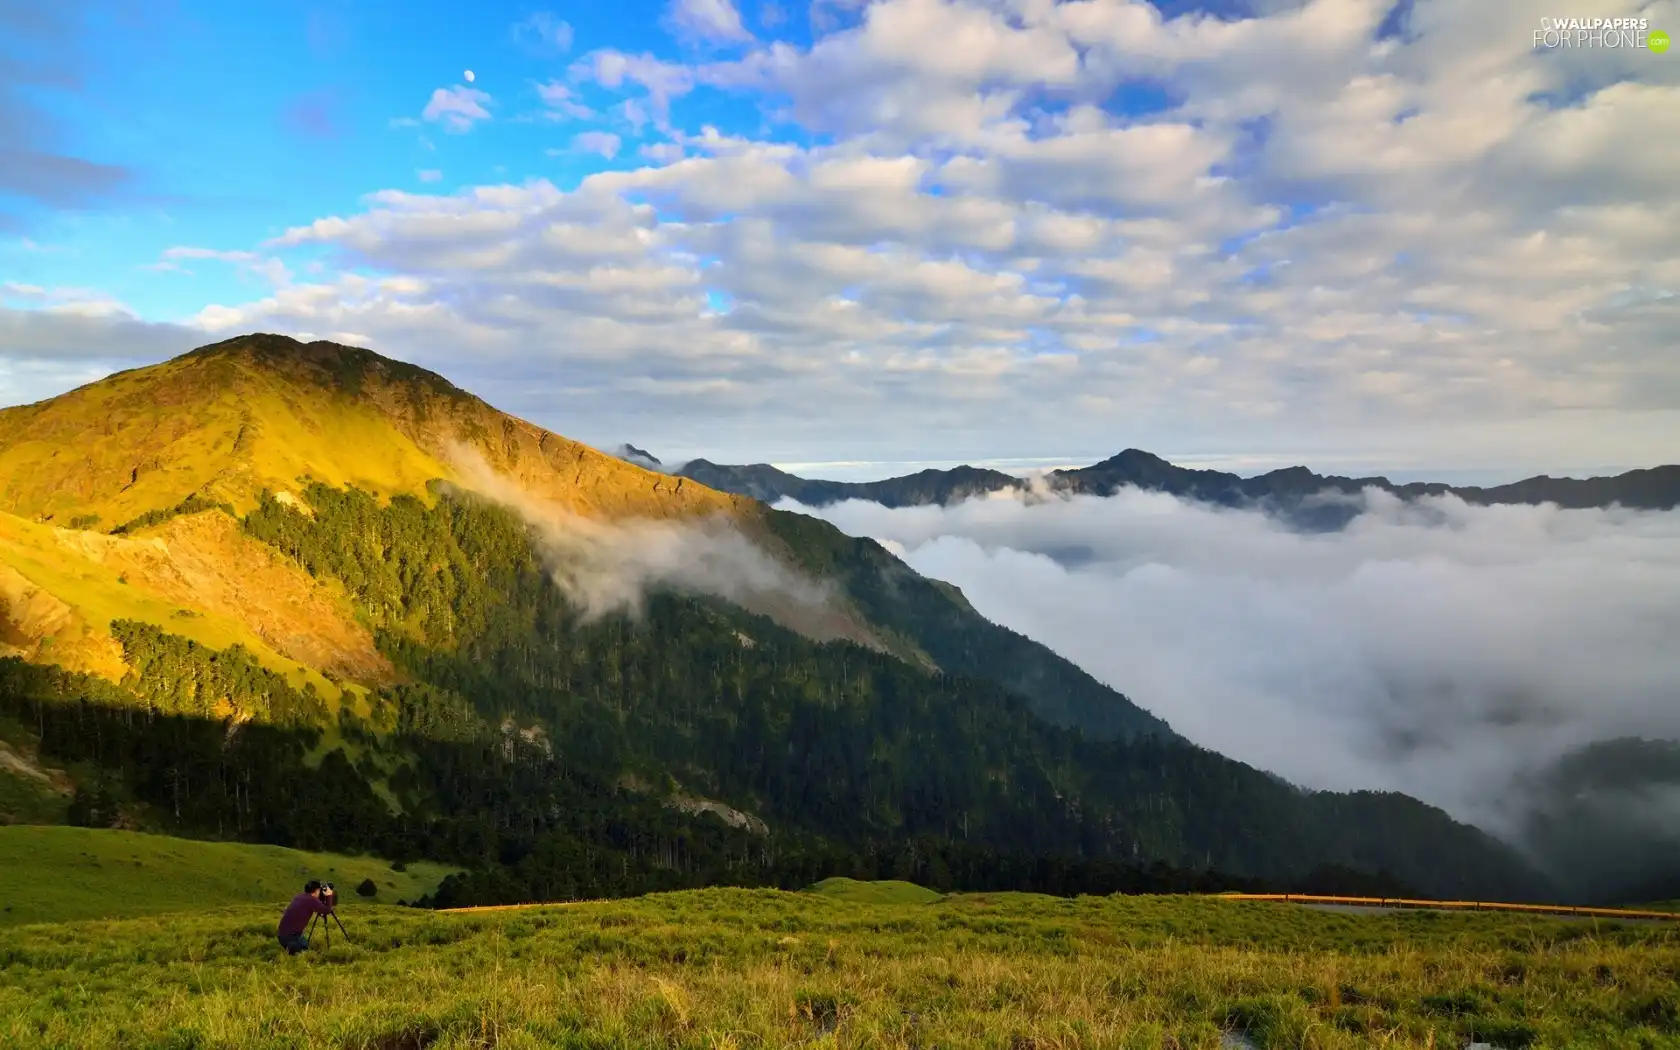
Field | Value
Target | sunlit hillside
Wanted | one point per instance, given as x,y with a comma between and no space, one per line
258,412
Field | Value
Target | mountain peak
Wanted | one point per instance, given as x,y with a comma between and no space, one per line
1297,474
336,366
1132,459
639,456
264,411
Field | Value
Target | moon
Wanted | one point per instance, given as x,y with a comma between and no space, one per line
469,75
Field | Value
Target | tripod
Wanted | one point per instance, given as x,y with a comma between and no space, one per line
326,927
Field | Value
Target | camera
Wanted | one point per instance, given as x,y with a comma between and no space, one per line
328,894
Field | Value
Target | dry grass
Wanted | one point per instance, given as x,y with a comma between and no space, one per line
723,968
256,414
60,590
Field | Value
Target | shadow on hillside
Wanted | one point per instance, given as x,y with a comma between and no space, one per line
529,826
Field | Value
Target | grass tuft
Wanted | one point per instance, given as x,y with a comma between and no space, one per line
887,891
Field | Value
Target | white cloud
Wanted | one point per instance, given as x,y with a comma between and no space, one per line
1439,649
429,175
561,102
610,567
543,33
714,21
1438,249
604,143
457,108
663,81
47,333
632,113
266,267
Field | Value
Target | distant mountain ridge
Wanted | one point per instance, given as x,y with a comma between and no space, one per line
1293,492
768,484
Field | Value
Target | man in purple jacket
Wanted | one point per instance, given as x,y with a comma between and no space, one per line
304,907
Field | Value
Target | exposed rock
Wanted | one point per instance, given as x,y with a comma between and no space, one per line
13,761
534,735
728,814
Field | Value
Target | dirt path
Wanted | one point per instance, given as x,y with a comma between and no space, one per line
1377,909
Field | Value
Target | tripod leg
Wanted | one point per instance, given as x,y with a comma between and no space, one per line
341,928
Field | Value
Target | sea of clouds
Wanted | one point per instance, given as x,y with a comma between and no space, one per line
1448,651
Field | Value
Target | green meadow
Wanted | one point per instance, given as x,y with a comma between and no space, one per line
726,969
887,891
52,874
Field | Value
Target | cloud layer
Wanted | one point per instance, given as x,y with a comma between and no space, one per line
606,567
1443,650
1067,228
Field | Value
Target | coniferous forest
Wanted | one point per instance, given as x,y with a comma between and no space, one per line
557,758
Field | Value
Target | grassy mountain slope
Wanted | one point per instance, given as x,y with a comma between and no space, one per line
198,576
60,874
218,427
228,420
500,727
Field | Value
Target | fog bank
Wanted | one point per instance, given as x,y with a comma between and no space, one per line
1448,651
607,567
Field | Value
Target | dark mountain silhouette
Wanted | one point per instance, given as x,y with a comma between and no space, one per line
1607,820
641,457
1309,499
1328,501
764,482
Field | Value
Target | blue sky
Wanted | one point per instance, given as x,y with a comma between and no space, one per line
233,122
1350,232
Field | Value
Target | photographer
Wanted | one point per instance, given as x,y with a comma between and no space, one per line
315,899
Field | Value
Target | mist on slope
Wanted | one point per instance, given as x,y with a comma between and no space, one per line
1448,651
606,567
